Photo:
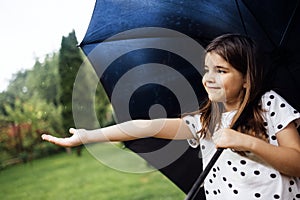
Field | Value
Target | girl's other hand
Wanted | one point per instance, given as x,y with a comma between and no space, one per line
76,139
229,138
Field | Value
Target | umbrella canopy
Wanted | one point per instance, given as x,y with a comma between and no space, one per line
274,24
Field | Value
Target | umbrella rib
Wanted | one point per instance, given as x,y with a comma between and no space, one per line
260,25
289,24
241,16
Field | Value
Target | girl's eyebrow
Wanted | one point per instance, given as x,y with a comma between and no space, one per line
217,66
221,67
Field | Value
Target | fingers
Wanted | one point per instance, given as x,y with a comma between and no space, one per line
72,141
49,138
216,136
227,138
220,138
72,131
55,140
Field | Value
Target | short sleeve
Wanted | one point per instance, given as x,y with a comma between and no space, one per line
278,111
193,123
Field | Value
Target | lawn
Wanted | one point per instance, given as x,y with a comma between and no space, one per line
67,176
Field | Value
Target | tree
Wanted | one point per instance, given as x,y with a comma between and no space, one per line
90,102
39,101
77,80
43,79
27,121
29,108
70,60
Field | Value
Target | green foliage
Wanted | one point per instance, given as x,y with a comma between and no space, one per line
26,122
43,80
17,87
91,107
70,60
39,101
80,94
29,108
103,107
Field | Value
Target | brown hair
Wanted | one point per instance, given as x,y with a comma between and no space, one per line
241,52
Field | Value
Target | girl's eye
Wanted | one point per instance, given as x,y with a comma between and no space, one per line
220,71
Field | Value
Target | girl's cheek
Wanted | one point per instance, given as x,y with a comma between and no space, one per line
203,79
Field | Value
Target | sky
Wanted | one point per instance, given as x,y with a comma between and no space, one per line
30,29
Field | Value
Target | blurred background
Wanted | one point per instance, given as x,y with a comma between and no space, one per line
40,61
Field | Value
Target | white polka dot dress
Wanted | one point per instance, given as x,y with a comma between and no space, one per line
247,178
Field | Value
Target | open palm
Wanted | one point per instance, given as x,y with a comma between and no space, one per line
74,140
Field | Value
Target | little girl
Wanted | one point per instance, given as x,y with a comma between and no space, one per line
262,156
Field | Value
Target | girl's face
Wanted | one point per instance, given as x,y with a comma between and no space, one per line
223,82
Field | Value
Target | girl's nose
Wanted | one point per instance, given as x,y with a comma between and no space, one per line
209,77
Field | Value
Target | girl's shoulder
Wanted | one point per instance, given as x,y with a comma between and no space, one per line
271,94
272,99
278,111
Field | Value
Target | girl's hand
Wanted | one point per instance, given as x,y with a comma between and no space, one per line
76,139
229,138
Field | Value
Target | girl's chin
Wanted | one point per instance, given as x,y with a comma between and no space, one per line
216,98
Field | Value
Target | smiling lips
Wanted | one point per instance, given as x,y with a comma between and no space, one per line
213,87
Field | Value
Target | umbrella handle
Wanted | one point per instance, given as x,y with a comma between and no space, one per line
196,187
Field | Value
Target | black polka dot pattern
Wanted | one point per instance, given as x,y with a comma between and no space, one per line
243,162
292,182
191,123
257,195
241,177
272,114
273,175
278,108
276,196
273,137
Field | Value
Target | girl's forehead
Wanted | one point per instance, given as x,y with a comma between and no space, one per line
213,59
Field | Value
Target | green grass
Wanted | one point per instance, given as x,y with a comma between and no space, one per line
66,176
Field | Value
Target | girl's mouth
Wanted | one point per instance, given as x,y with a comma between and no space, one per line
213,87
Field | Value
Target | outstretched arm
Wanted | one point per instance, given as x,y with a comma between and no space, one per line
160,128
285,157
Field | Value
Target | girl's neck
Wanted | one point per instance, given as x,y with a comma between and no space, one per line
229,108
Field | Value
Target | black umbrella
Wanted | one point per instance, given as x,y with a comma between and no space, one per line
149,26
